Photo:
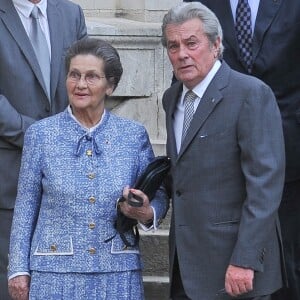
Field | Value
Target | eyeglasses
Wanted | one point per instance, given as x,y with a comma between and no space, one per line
90,77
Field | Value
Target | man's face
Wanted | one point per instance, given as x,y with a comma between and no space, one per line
34,1
190,52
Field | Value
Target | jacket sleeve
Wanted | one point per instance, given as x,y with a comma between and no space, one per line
12,124
260,139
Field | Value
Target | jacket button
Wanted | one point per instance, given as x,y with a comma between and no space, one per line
89,152
178,193
92,225
91,175
53,248
92,250
92,199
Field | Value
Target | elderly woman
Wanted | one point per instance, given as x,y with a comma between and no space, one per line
75,166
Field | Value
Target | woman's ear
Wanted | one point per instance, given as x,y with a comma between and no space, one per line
109,90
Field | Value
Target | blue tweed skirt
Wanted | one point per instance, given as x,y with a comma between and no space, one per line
86,286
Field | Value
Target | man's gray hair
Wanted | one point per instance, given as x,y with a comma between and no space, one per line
194,10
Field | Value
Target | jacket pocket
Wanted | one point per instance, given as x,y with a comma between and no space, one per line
55,246
118,245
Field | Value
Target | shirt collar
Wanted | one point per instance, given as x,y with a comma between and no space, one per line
88,130
25,7
201,87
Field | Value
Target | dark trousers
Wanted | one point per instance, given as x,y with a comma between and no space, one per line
177,289
5,225
289,216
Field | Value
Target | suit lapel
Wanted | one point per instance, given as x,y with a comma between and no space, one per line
173,99
267,11
209,101
224,11
56,38
206,106
14,25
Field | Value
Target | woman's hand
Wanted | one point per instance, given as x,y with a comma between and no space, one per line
142,213
18,287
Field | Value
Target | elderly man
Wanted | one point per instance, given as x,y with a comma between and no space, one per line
225,140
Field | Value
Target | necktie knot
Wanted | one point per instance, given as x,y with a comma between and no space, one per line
190,96
35,12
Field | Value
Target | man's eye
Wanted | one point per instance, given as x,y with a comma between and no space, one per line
172,47
192,44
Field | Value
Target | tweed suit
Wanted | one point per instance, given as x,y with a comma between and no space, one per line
66,202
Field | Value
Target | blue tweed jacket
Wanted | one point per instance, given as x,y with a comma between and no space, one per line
69,183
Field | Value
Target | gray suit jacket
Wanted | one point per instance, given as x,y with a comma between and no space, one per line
276,60
23,99
227,182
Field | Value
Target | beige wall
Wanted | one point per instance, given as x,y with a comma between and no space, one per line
139,10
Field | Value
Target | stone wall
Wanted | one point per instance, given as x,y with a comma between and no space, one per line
147,72
138,10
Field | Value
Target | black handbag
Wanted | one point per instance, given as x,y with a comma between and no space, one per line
149,182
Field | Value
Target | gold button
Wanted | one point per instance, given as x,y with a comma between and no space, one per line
92,199
91,175
89,152
92,225
92,250
53,248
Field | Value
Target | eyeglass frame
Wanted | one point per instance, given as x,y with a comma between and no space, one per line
77,76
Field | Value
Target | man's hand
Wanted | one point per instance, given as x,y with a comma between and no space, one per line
18,287
238,280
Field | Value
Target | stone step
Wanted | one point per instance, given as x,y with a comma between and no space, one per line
156,287
154,249
155,254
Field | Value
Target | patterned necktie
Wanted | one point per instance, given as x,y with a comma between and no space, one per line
189,100
244,32
40,46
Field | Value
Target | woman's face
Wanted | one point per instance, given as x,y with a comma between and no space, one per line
86,83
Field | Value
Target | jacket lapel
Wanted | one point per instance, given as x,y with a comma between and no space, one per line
267,11
56,38
228,23
14,25
209,101
173,99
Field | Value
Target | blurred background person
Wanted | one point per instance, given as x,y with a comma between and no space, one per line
34,37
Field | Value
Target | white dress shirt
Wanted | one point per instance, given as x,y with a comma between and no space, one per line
199,91
253,6
24,9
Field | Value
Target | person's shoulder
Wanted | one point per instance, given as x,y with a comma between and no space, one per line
124,123
47,123
65,3
175,87
246,79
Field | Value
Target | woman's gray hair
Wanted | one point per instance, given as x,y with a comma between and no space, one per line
103,50
194,10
